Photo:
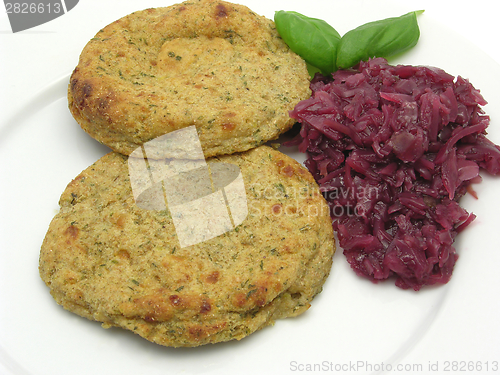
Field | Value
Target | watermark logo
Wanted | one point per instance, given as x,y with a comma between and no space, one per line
24,15
204,199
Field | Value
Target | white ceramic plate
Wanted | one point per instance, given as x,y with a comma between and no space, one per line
353,326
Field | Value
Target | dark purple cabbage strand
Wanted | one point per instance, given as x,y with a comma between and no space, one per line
393,148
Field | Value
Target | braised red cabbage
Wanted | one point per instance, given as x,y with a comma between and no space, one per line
393,148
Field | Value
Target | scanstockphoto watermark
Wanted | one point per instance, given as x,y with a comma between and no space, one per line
356,366
26,14
205,199
447,366
291,200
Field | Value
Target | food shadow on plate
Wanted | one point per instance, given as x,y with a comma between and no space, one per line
130,343
133,344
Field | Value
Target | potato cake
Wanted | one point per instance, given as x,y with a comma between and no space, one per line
108,260
212,64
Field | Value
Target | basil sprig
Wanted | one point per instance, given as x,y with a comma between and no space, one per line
321,46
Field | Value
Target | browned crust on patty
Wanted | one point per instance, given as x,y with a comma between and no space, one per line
212,64
106,259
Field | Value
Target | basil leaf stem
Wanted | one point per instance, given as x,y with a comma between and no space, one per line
382,38
311,38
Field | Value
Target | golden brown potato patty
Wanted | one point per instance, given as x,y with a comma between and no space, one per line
212,64
108,260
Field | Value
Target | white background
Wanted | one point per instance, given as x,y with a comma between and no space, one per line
351,322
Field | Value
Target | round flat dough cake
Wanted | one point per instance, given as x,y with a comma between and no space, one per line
109,260
207,63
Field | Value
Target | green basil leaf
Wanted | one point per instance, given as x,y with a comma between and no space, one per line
382,38
312,39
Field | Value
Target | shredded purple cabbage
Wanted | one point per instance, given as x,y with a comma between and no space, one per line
393,148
